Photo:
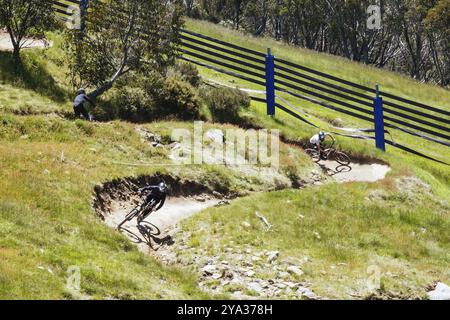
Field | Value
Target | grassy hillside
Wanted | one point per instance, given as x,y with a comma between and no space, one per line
49,166
335,66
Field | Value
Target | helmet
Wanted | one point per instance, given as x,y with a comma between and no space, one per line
162,187
81,91
322,135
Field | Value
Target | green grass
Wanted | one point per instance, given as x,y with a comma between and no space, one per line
354,234
49,167
355,231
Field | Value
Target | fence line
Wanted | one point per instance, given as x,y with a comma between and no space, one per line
285,76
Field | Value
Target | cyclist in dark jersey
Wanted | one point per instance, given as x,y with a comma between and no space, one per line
78,104
157,194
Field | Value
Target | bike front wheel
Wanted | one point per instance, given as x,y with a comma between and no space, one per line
314,154
342,158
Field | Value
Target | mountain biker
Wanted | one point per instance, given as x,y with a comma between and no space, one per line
157,193
317,141
78,104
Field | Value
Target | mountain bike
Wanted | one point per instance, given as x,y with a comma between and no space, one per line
139,212
329,154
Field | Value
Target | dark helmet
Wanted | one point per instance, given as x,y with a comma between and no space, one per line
322,135
81,91
162,187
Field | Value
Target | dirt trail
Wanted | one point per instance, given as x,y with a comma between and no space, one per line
163,222
355,172
160,223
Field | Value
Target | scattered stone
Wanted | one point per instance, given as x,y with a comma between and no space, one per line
300,217
200,199
24,137
217,276
46,172
295,271
272,256
441,292
209,270
250,273
317,235
246,224
217,195
255,286
283,275
307,293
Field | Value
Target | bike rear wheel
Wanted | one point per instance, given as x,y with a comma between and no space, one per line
314,154
342,158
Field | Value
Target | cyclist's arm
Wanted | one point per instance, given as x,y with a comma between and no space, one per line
89,100
161,203
148,188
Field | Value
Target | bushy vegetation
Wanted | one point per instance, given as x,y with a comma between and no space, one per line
225,104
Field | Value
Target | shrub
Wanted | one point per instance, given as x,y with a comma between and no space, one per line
225,103
178,99
187,72
134,104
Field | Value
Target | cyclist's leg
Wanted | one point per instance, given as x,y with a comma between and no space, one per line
76,111
85,113
148,209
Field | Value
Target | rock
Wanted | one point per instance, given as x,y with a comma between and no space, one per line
441,292
272,256
250,273
305,292
246,224
209,269
291,285
217,276
200,199
24,137
304,260
295,271
46,172
217,195
255,286
300,217
317,235
283,275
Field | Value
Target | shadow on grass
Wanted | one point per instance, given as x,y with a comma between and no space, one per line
30,74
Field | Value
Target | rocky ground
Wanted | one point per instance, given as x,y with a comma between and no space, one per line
243,273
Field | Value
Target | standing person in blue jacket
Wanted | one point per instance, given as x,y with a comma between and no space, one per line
78,105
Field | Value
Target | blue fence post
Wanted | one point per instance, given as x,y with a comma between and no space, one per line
270,83
379,121
84,5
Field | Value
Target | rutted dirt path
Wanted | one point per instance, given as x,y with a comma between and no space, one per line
156,235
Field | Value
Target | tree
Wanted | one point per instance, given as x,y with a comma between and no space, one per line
25,18
123,37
